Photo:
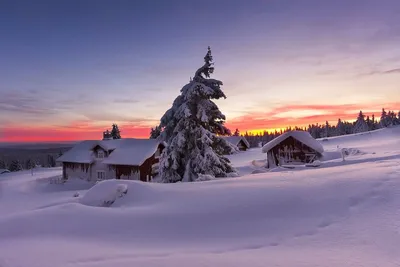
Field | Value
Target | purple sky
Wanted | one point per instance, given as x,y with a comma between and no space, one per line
65,63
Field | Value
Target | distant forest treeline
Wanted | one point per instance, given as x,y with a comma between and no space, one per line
362,124
16,159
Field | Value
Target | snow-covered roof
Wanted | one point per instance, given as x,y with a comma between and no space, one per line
80,153
132,151
126,151
302,136
234,140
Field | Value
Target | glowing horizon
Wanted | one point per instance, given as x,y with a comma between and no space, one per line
92,131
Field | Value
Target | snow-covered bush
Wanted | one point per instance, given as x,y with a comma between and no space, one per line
76,194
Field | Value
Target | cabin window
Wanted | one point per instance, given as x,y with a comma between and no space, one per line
100,154
101,175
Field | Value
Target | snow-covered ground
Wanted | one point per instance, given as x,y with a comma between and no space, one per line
339,214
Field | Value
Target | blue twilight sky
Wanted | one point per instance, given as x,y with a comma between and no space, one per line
84,64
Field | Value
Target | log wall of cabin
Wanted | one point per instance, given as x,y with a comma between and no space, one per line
294,144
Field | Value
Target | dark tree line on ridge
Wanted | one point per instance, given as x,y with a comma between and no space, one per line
19,165
362,124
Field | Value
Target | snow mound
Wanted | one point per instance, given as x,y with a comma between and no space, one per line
106,193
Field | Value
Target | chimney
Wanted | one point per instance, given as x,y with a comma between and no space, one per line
107,135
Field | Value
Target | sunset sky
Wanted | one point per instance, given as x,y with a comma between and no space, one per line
69,69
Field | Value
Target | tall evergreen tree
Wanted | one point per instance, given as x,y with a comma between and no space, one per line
327,132
340,128
192,129
115,132
360,125
236,133
384,119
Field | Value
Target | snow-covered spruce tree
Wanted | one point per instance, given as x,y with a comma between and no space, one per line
360,125
115,132
15,166
192,128
326,130
384,119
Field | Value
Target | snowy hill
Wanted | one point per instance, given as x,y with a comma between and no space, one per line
340,214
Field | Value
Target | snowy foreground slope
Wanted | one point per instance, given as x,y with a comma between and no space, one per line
339,214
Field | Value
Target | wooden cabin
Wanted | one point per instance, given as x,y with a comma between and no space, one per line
128,158
238,141
292,148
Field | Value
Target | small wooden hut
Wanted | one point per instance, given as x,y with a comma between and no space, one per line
238,141
292,148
